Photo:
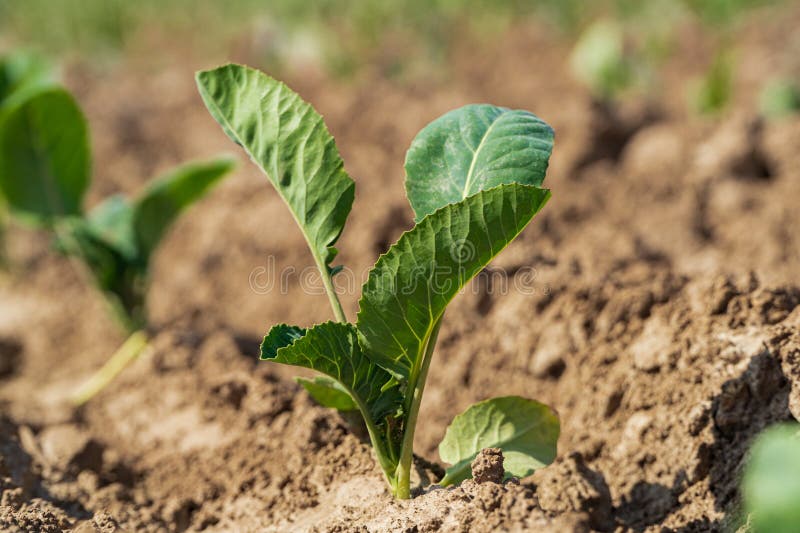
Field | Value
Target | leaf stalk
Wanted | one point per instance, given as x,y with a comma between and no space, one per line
127,353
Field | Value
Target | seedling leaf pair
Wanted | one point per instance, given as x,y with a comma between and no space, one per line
473,179
45,170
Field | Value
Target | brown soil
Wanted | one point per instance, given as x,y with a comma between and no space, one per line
662,321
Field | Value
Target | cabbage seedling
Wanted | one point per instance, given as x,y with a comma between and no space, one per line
44,174
473,179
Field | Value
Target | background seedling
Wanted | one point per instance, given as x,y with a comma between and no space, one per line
473,179
44,174
779,98
771,484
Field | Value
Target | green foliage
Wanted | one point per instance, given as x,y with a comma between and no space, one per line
327,393
45,172
771,484
118,237
44,156
779,98
473,149
526,431
600,62
410,286
21,72
714,91
289,142
473,178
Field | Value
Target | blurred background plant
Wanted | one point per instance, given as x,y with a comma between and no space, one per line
621,43
771,484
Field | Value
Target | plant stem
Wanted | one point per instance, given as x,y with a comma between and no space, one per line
126,353
403,472
336,305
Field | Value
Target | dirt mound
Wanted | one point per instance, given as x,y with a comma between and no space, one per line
659,398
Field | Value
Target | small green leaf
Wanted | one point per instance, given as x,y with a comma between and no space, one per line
164,198
475,148
279,336
44,156
771,484
111,221
410,286
289,142
526,430
328,393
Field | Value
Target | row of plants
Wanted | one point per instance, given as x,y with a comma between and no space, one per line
474,180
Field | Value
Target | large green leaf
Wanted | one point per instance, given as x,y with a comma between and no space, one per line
289,142
475,148
526,430
410,286
332,348
44,156
771,484
164,198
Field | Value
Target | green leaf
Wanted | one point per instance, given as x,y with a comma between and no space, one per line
111,221
289,142
332,348
526,430
122,278
771,484
599,60
410,286
328,393
164,198
44,156
20,74
475,148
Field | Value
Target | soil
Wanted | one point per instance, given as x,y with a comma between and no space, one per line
660,318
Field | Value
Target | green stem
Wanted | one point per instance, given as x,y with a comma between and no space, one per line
126,353
336,305
402,486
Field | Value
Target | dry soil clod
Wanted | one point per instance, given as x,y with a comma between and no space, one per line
488,466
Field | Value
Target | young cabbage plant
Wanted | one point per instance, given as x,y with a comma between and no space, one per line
473,179
44,174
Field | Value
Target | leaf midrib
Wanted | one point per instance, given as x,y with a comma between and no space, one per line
471,171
